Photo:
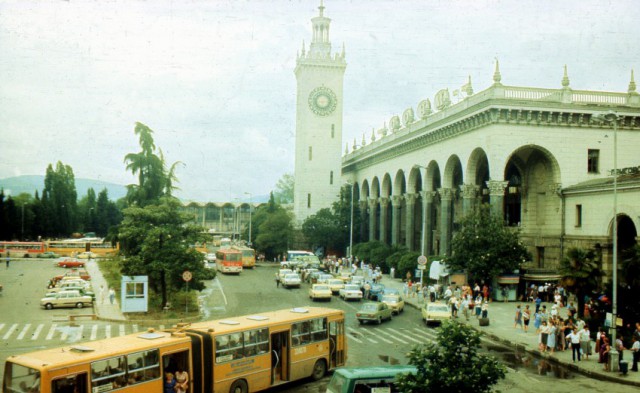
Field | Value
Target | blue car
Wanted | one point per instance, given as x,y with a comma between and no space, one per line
376,291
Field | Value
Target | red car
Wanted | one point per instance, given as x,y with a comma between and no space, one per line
71,262
80,273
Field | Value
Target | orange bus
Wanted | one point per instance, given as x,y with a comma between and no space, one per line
248,256
242,354
22,249
73,247
229,260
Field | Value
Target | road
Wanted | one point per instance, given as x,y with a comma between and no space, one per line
24,326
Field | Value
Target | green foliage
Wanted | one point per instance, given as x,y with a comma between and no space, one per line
581,273
485,248
323,229
284,189
156,241
452,364
272,228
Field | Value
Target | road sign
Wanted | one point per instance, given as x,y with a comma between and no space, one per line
422,260
187,276
422,267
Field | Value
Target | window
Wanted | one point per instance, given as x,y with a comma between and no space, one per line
307,332
310,153
593,158
578,216
540,256
309,200
241,345
331,177
134,290
333,131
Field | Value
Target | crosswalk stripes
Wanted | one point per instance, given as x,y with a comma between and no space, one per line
94,332
10,331
36,333
393,337
24,331
52,330
406,335
355,332
107,331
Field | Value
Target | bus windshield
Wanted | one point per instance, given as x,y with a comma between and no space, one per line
18,378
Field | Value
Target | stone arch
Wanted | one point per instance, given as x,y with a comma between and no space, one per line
453,175
386,189
433,179
364,189
375,188
477,175
415,210
414,184
399,183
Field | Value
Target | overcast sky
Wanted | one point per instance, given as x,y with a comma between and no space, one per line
214,79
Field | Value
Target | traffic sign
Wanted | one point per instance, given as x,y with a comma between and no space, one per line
187,276
422,260
422,267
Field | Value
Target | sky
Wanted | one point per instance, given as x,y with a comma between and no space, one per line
214,79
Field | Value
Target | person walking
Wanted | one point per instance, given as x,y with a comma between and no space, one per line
574,337
518,318
112,295
585,340
526,317
465,307
478,305
101,294
635,350
8,258
485,309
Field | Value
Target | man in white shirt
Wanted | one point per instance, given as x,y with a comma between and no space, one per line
574,337
635,350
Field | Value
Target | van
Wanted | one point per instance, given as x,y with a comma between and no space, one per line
367,379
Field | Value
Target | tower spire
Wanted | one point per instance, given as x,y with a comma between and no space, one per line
496,74
321,8
632,84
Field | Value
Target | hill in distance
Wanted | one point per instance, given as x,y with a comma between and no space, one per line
17,185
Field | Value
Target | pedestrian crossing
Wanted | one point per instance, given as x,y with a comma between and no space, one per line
67,333
90,331
409,336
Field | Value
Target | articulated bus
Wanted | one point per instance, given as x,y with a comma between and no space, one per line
22,249
229,260
242,354
72,247
248,256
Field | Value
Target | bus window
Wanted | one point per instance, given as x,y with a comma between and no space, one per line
70,384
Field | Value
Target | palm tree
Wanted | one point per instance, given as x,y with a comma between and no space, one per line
581,273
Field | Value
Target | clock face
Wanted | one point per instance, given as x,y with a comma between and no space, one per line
322,101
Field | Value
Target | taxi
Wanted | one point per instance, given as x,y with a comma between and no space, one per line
435,313
394,301
320,291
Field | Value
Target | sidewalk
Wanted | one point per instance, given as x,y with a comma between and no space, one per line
102,307
501,329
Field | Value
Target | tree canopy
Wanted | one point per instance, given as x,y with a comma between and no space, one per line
581,273
284,189
484,247
452,364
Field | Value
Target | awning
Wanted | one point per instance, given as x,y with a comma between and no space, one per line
542,277
437,270
508,279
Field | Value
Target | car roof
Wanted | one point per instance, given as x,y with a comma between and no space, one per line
374,372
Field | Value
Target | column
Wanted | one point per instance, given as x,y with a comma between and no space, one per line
363,218
496,196
384,205
427,236
446,197
396,203
373,222
469,197
410,203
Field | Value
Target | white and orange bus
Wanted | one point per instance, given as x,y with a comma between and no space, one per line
248,256
22,249
229,260
243,354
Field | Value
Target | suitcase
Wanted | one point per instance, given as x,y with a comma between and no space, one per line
484,321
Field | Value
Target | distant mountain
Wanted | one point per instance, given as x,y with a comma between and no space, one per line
29,184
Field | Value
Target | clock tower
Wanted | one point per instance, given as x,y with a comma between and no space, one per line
319,76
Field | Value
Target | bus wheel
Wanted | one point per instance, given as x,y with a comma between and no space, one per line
239,386
319,370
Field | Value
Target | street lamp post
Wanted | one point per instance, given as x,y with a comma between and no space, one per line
424,225
248,193
612,117
351,225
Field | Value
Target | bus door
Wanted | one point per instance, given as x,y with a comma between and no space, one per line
279,357
336,344
70,384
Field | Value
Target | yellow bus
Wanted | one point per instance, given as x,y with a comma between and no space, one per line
248,256
73,247
242,354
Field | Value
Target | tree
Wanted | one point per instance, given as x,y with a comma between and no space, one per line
452,364
156,241
284,189
323,229
274,232
484,247
61,200
581,273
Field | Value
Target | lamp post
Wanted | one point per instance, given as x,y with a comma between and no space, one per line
613,117
351,225
424,224
250,207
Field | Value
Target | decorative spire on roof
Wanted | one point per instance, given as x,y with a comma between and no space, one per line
364,142
632,84
346,148
304,51
355,146
343,50
496,74
565,78
321,8
373,134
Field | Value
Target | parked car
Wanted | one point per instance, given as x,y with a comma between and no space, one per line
87,255
66,299
48,254
335,284
351,292
83,291
291,280
71,262
320,291
394,301
63,284
74,273
371,311
435,313
324,278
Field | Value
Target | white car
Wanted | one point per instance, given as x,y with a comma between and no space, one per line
66,299
281,273
320,291
211,257
291,280
351,292
324,278
336,285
